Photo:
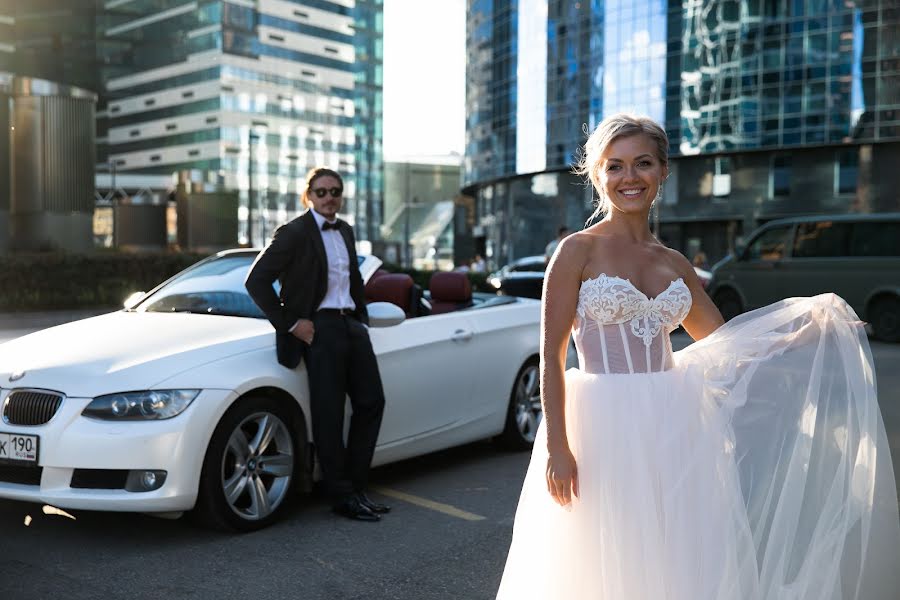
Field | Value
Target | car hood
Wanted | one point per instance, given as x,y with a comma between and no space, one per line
125,351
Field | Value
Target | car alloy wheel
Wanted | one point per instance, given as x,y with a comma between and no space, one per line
257,466
525,412
528,403
252,465
885,318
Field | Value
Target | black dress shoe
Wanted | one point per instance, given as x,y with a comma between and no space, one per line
375,507
352,508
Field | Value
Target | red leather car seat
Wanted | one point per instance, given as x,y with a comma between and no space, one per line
396,288
449,291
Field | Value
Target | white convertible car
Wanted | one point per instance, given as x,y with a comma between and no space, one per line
177,403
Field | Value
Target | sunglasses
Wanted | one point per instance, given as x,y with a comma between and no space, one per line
335,192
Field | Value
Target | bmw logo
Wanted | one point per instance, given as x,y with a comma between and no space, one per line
17,376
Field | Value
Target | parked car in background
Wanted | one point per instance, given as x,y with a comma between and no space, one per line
178,403
855,256
525,277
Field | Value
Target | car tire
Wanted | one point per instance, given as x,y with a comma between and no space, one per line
885,318
729,304
524,413
251,467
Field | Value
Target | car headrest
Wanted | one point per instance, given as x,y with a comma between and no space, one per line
395,288
449,286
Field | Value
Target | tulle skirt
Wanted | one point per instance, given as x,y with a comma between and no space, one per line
757,468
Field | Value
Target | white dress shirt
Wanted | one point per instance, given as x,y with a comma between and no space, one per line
338,294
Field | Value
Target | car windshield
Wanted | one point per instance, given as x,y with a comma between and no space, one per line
213,287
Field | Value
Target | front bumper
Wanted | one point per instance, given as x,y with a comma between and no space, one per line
69,442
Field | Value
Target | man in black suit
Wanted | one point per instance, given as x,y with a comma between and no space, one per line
320,315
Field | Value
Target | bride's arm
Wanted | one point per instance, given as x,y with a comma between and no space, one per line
704,317
560,298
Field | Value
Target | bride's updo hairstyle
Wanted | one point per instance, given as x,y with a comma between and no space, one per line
609,130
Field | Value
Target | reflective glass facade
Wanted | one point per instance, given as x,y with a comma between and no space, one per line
773,107
56,41
775,74
491,48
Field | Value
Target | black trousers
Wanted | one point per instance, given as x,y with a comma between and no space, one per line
340,363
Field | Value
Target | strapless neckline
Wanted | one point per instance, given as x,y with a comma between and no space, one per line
612,300
603,276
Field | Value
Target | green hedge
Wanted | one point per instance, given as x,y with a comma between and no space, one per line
57,281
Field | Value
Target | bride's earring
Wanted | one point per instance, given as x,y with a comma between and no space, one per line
658,193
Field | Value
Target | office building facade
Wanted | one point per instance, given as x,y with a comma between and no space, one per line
223,96
772,108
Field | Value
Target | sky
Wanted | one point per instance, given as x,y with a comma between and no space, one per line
424,78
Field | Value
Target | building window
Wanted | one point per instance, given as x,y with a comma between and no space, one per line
722,177
846,171
780,176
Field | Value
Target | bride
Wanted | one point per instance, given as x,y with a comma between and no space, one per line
751,465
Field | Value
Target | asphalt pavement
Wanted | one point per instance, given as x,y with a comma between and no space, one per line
446,538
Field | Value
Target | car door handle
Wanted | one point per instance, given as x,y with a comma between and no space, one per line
461,335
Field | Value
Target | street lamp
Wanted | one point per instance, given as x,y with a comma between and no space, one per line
252,139
112,199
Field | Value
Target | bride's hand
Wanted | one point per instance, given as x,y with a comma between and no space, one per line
562,476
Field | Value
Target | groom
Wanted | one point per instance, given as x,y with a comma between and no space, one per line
320,316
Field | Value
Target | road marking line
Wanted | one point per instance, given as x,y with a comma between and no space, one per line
430,504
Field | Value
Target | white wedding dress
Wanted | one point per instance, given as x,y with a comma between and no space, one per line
751,465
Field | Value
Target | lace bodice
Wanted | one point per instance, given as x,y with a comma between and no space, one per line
618,329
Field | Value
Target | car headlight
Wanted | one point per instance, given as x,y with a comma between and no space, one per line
140,406
495,281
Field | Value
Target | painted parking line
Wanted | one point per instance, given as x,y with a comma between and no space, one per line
429,504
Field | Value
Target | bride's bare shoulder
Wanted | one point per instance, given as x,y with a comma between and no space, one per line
597,237
572,252
676,260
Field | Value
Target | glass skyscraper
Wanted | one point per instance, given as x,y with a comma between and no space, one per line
229,95
772,108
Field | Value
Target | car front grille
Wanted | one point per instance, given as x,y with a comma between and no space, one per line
30,407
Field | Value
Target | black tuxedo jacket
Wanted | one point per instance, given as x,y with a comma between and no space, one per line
296,257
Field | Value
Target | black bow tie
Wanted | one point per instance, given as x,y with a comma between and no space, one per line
326,226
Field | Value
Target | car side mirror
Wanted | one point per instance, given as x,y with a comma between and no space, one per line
385,314
133,300
739,250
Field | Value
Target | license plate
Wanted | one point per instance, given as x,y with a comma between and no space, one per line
18,448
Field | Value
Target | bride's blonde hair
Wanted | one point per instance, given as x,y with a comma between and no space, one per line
610,129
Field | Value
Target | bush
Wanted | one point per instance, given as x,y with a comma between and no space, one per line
58,281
